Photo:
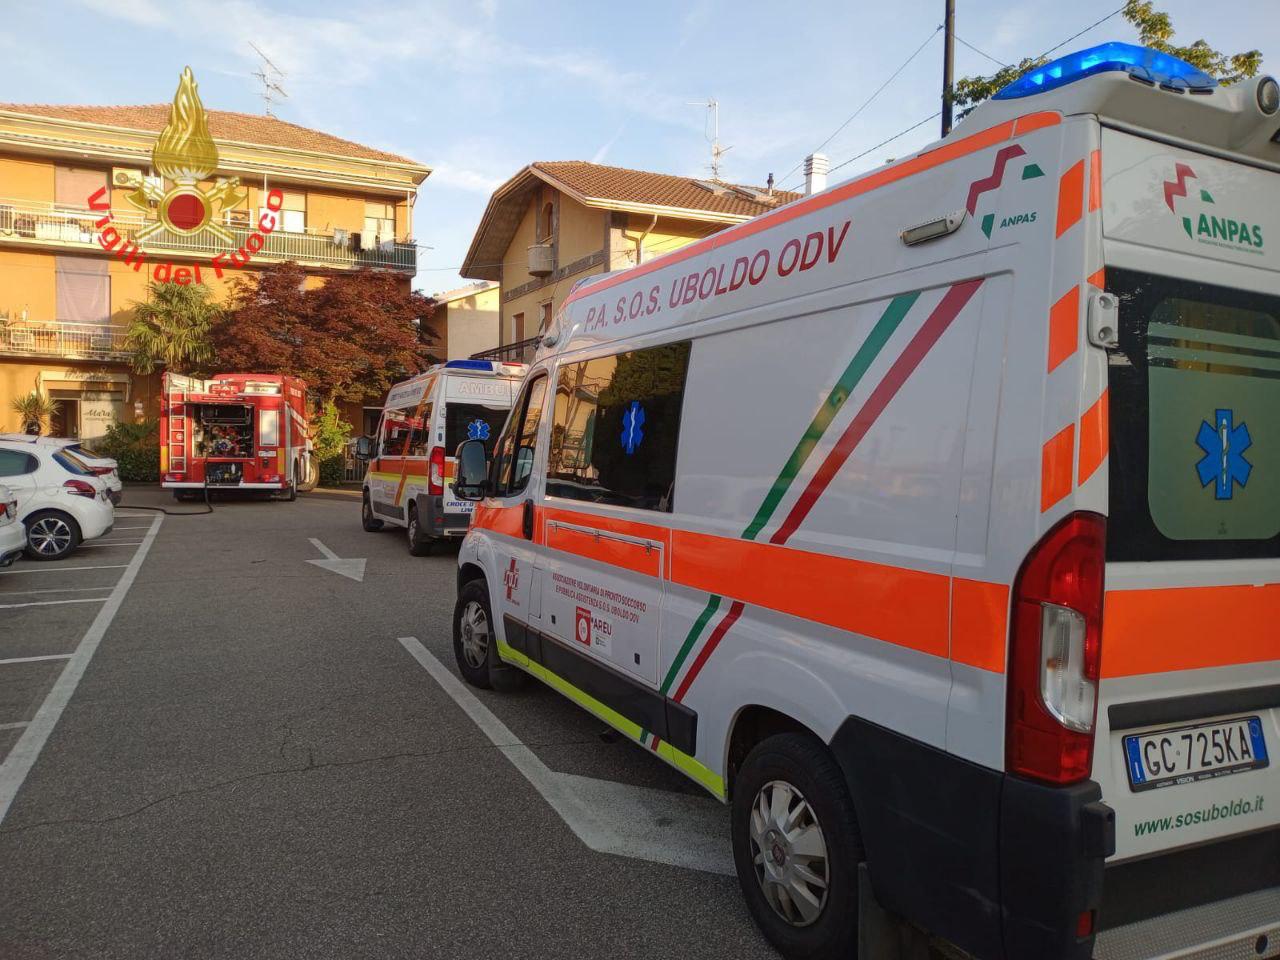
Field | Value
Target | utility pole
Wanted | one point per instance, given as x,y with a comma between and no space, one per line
948,63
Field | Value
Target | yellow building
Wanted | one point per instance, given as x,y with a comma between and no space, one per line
465,321
554,223
65,300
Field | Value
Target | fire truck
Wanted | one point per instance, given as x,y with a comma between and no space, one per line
242,431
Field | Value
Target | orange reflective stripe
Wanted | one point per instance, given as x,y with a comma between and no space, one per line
1064,328
979,623
1188,628
1036,121
506,520
1071,198
1095,438
1099,279
615,553
1056,462
909,608
1095,180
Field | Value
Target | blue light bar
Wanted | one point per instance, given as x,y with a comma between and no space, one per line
485,365
1142,63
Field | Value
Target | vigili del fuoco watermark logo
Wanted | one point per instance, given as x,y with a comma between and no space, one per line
184,155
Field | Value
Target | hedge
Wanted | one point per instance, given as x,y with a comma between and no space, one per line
136,447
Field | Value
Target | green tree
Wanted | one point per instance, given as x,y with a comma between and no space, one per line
171,328
1155,30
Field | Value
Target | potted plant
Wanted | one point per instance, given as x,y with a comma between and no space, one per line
34,411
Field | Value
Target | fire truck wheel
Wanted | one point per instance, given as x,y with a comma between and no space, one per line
419,545
796,847
367,520
473,633
51,535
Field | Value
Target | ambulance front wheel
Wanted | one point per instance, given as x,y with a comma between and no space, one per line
367,520
797,848
475,643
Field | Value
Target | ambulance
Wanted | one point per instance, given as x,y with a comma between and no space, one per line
933,523
409,478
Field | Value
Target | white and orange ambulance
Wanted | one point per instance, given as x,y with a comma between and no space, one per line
409,479
933,522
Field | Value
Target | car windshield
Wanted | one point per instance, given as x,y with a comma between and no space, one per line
72,464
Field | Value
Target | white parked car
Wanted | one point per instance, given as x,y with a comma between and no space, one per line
60,501
13,536
105,468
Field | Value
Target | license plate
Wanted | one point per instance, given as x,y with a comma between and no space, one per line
1188,754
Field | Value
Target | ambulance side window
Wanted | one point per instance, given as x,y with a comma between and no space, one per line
516,449
616,427
403,434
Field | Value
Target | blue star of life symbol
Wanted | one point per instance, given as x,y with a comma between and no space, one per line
477,430
632,423
1223,463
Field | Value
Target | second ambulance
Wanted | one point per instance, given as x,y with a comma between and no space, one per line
933,522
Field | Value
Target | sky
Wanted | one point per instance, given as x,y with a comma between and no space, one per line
478,90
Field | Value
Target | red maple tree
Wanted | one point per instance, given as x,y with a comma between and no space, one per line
349,339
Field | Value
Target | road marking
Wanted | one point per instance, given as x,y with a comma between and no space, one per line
14,770
114,529
50,656
640,822
13,726
104,566
111,543
53,603
351,568
24,593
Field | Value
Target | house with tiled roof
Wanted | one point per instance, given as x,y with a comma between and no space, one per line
556,222
65,301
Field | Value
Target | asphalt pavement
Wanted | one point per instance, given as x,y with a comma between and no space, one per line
224,750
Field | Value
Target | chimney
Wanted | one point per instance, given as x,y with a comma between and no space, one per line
816,166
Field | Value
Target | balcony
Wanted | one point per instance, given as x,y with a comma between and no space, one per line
30,223
66,341
542,260
522,351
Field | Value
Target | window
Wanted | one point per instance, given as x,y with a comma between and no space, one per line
546,224
268,428
72,464
517,328
292,215
73,186
545,320
14,463
516,449
82,290
616,428
403,434
471,421
1194,387
379,221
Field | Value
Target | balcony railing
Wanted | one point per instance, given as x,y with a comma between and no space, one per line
29,222
56,338
521,351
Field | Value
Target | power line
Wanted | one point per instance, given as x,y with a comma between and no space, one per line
900,133
1074,36
880,89
963,41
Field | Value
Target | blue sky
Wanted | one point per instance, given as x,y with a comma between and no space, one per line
477,90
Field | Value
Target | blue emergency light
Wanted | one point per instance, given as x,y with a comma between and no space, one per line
1141,63
486,365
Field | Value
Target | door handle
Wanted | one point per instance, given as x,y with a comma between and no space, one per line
528,519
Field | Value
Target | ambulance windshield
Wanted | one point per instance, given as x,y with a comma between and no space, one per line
1195,421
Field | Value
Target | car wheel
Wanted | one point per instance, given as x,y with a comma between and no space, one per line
51,535
473,638
419,545
797,848
367,520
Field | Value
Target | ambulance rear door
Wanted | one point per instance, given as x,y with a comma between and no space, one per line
473,408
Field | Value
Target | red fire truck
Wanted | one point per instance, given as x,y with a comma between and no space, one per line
243,431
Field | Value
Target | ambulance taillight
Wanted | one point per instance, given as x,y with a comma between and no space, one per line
435,480
1055,652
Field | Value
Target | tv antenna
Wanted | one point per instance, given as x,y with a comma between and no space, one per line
270,76
711,130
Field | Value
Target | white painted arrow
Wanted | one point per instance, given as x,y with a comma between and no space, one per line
352,568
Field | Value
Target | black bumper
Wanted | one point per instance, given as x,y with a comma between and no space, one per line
1000,866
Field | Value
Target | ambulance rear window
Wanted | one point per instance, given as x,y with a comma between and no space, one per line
1195,421
471,421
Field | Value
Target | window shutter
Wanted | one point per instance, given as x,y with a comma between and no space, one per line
73,186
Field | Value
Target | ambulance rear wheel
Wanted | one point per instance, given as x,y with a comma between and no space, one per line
419,544
367,520
473,638
797,848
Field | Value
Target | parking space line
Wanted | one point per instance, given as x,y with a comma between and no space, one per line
52,603
47,656
18,725
60,569
609,817
114,529
27,593
111,543
14,770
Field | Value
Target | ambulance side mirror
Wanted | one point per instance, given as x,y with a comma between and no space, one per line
472,480
364,448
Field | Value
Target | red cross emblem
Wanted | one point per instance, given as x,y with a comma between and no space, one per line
511,578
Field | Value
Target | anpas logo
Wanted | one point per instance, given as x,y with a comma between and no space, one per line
1207,226
184,155
1030,171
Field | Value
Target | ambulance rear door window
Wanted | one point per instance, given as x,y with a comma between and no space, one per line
616,428
471,421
